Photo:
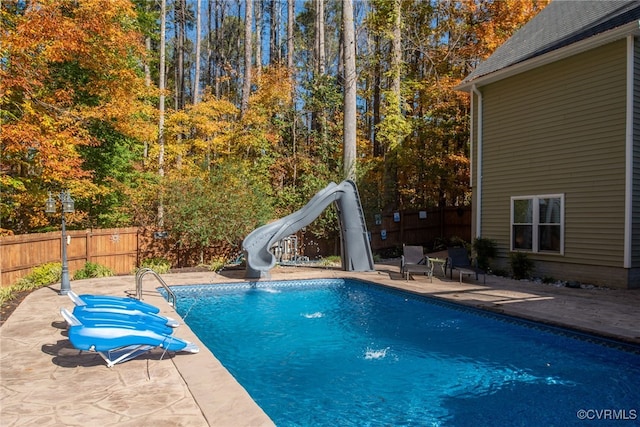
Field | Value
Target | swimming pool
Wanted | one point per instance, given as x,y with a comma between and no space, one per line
347,352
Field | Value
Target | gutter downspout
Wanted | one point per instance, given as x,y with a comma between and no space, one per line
478,161
628,196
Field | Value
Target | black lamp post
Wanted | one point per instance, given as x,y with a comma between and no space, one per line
67,207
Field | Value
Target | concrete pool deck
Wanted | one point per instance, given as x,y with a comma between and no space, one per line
44,381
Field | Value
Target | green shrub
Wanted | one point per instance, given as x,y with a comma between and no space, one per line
388,253
486,250
42,275
159,265
440,244
500,272
7,294
217,264
457,242
331,261
91,270
521,265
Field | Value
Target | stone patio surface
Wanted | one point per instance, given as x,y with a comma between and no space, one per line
44,381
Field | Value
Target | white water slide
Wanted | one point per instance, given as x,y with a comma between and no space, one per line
356,249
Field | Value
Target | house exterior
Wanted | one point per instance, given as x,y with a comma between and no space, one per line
555,143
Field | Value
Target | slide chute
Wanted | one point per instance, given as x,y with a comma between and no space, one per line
356,249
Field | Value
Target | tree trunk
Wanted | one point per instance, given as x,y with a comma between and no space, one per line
217,57
209,45
396,56
179,17
259,23
290,22
246,87
378,149
196,79
162,88
183,36
290,67
318,118
350,78
276,53
147,82
320,40
391,157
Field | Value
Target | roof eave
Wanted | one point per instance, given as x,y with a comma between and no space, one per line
632,28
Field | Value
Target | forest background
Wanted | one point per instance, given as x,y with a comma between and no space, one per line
207,118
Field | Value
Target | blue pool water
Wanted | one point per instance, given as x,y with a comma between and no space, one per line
350,353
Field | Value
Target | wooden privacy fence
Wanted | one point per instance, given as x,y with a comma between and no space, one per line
115,248
122,249
428,227
424,227
119,249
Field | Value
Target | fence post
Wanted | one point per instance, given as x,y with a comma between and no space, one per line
401,226
88,247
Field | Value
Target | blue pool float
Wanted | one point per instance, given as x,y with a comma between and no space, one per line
133,319
123,303
117,343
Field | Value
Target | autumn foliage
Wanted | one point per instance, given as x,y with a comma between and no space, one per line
79,110
66,65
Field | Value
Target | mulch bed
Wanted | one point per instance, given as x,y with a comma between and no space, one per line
9,306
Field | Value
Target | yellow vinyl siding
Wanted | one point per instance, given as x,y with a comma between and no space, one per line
635,218
560,129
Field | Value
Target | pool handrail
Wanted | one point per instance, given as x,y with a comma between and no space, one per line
171,296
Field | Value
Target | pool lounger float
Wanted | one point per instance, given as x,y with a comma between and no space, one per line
118,303
119,342
92,316
125,303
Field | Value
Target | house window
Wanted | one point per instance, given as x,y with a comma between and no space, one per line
537,223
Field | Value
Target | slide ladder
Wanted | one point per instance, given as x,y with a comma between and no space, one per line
356,249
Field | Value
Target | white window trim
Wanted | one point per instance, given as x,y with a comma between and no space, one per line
536,222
